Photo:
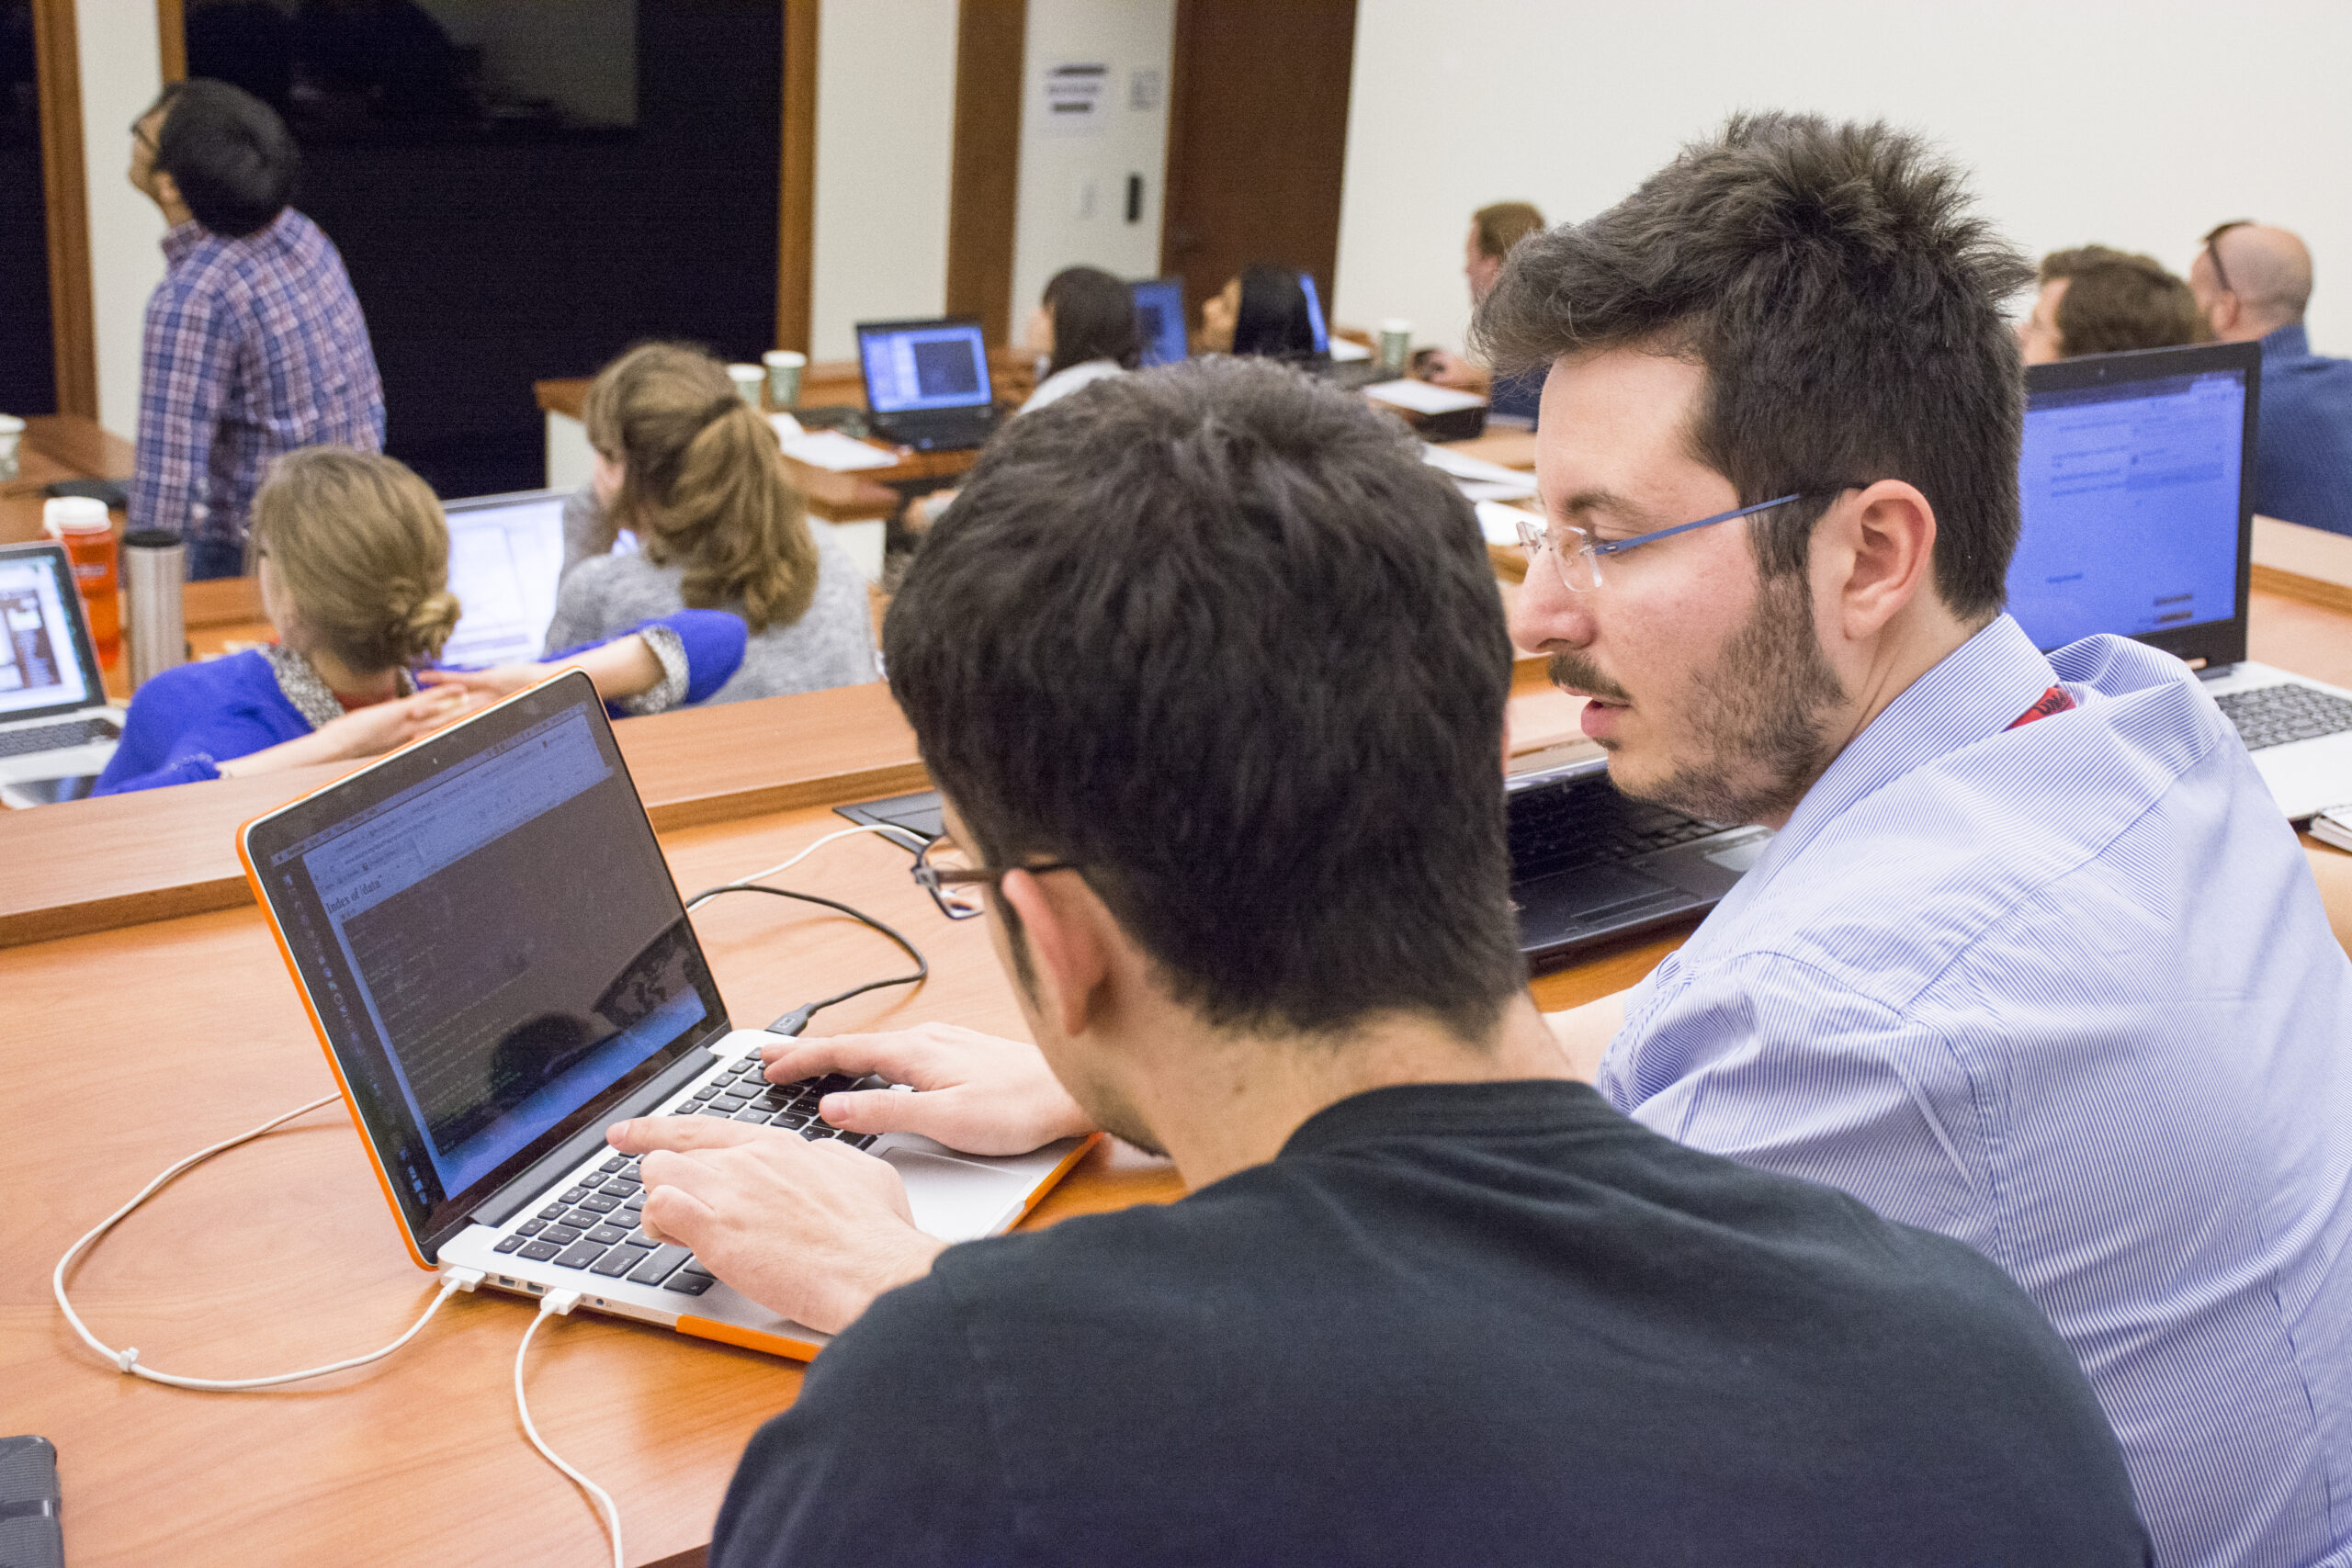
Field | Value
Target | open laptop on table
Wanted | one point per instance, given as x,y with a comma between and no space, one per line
2138,501
505,554
927,382
56,730
492,950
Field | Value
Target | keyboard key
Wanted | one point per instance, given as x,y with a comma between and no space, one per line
531,1227
732,1102
582,1219
750,1113
607,1234
686,1282
820,1130
860,1140
790,1120
618,1187
599,1202
716,1110
573,1195
638,1237
540,1251
659,1265
617,1163
630,1205
580,1254
553,1211
511,1244
620,1261
562,1236
707,1091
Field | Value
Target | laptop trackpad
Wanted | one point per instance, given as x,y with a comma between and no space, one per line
1591,891
954,1200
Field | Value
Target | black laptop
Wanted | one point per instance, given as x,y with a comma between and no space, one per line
927,383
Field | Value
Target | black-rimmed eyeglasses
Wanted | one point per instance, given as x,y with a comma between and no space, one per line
957,879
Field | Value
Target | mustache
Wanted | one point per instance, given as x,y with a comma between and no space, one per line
1579,673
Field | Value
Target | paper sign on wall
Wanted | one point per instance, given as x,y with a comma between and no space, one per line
1073,104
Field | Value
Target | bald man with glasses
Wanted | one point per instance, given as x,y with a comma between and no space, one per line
2253,282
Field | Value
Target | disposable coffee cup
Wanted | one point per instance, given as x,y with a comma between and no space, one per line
12,432
748,380
1396,344
785,365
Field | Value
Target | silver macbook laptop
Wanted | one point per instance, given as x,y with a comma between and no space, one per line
56,730
2138,521
495,958
505,554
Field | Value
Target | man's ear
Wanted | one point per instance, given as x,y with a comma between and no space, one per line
1070,936
1881,547
167,190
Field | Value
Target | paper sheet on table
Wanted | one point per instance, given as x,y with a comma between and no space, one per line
1502,483
831,449
1500,523
1345,349
786,427
1486,490
1423,397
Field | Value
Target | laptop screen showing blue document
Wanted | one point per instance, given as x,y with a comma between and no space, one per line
1159,320
46,662
505,553
2133,488
1315,321
914,366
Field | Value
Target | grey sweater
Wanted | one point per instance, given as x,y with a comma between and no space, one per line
830,645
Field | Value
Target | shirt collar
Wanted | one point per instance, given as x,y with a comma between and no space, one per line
1977,690
2290,342
180,239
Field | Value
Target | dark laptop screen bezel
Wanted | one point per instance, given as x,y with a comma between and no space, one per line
988,378
2214,643
77,619
386,1121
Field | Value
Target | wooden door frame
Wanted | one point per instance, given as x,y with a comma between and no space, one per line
984,177
65,192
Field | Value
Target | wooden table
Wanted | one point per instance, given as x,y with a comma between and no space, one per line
56,447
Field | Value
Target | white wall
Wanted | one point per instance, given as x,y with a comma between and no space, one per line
2086,120
885,112
1072,206
122,73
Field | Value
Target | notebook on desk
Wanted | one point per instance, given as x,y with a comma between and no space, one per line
2136,481
495,958
56,729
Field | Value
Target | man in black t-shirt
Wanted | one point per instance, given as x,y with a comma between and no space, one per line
1211,670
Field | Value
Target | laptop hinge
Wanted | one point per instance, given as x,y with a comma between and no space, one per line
2216,671
508,1201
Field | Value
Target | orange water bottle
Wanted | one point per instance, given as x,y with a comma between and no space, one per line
81,525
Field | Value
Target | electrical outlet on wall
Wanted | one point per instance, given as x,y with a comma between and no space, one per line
1089,192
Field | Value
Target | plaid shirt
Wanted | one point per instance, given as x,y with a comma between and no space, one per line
253,347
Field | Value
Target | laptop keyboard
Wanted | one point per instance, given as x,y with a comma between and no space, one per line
1558,829
2273,715
593,1225
54,736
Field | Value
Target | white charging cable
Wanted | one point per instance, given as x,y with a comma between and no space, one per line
558,1303
903,838
127,1360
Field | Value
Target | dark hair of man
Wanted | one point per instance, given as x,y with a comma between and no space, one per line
1272,318
2116,300
230,155
1219,638
1504,225
1846,307
1095,317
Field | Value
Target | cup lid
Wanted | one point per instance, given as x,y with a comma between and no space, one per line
783,357
10,425
747,372
74,514
1397,324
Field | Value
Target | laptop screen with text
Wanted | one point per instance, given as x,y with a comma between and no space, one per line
915,365
505,553
2131,498
45,660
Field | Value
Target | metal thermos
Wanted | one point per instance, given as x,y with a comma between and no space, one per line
155,564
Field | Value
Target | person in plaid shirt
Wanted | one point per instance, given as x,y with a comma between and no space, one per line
253,343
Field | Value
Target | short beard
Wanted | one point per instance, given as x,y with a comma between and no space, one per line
1762,718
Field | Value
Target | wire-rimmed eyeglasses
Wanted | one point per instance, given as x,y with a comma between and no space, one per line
957,879
1576,553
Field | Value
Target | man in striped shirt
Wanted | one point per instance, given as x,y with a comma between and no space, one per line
253,343
2033,960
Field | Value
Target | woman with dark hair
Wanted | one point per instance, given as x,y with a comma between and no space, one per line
1263,311
1086,328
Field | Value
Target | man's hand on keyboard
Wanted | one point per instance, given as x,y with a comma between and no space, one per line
814,1231
973,1091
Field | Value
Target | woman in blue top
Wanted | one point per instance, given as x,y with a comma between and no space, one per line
353,555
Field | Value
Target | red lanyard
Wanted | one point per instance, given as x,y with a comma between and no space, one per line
2054,700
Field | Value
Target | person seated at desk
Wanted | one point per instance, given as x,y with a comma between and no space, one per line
694,472
1261,312
2097,300
2254,282
354,567
1494,230
1429,1299
1083,330
253,343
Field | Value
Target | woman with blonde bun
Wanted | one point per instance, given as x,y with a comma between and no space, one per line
694,474
353,556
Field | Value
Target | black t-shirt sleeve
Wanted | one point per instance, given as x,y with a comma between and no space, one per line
886,1457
